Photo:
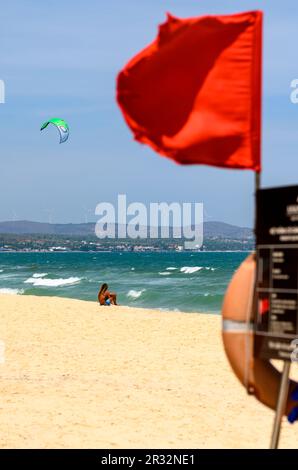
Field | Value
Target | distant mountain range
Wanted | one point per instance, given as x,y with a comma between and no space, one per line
19,227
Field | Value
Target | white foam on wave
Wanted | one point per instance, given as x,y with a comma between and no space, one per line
165,309
38,275
7,290
171,268
135,294
190,269
164,273
41,282
1,270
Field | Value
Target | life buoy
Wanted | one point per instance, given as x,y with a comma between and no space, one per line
259,376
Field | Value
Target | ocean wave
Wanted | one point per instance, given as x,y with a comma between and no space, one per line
171,268
190,269
1,270
41,282
165,309
194,269
38,275
214,294
7,290
164,273
135,294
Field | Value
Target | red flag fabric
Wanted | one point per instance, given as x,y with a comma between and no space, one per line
264,306
194,94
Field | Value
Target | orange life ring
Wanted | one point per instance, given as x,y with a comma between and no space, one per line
259,376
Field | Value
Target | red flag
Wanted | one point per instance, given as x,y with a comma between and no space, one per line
194,94
264,306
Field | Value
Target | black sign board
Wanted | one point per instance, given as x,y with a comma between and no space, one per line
276,303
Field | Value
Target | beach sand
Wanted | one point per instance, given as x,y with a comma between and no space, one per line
80,375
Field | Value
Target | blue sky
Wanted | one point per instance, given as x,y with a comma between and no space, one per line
60,59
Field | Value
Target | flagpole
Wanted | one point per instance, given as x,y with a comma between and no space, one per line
257,187
284,382
257,180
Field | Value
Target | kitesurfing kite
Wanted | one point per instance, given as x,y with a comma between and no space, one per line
62,127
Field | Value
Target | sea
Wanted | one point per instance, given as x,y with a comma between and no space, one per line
178,281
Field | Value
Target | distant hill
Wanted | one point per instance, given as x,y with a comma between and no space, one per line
211,229
223,230
25,226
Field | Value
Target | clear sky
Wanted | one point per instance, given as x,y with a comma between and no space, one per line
60,59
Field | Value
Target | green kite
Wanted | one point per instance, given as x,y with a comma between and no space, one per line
62,127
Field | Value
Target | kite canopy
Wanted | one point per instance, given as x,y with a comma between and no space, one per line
62,127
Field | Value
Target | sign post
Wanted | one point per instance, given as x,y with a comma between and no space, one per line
276,316
281,404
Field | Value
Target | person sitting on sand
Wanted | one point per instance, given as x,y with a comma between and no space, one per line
105,297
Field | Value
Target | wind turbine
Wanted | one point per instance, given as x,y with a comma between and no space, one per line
14,215
206,215
86,212
50,213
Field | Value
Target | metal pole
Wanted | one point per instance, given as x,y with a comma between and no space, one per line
284,383
257,180
281,404
257,187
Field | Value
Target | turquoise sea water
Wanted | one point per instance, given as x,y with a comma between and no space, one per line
190,282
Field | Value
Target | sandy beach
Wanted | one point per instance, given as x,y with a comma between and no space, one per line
79,375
